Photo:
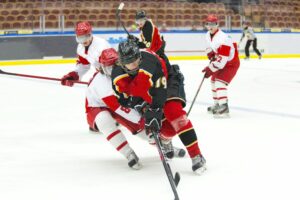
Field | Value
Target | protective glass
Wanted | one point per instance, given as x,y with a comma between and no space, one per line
82,38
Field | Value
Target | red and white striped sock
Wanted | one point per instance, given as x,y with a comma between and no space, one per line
107,125
214,92
221,91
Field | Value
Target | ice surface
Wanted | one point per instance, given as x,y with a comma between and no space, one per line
47,152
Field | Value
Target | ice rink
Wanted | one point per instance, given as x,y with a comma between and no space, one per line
48,153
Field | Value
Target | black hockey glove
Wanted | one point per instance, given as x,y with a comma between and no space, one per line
153,119
132,38
141,107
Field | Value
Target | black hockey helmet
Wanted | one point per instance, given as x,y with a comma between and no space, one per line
140,14
128,52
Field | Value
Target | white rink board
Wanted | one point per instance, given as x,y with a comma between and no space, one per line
269,43
47,152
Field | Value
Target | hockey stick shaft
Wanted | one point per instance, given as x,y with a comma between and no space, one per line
195,97
166,166
120,8
37,77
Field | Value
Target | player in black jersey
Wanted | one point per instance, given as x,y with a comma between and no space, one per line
141,83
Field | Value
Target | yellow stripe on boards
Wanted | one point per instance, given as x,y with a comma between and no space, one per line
73,60
37,62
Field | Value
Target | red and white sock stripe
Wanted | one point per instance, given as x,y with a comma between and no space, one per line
221,90
214,92
118,140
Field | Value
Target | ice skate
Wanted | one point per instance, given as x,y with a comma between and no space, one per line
167,148
211,109
93,130
198,164
247,58
259,57
222,111
133,161
179,152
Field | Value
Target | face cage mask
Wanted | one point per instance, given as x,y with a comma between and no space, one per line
140,21
83,38
211,24
105,69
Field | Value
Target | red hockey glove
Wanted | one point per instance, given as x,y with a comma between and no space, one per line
208,72
211,55
69,78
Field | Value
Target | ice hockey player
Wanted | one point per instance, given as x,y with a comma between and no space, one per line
88,50
103,110
141,83
251,39
151,38
224,63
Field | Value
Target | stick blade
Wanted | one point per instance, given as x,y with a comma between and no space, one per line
177,178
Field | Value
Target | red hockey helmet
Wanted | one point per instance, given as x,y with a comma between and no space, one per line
107,60
83,28
211,20
83,32
108,57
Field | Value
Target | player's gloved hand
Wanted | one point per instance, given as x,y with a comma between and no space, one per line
141,107
153,119
132,38
69,78
211,55
208,72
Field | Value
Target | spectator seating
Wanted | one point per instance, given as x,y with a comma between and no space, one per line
27,14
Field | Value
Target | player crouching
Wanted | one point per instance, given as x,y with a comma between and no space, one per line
103,110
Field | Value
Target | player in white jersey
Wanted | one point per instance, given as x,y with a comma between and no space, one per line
103,110
224,63
101,106
251,39
89,50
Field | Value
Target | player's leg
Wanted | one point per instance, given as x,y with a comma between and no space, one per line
177,118
210,109
222,110
222,79
106,124
255,48
247,47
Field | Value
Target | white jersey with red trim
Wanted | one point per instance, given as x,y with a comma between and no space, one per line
89,56
223,47
100,94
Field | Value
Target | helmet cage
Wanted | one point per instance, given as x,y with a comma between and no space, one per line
83,38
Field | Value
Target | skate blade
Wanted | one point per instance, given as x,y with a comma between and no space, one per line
137,166
222,116
200,171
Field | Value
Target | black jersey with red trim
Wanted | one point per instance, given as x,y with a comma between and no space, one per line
150,36
149,83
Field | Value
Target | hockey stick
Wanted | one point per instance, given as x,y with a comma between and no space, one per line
196,96
120,8
173,180
38,77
